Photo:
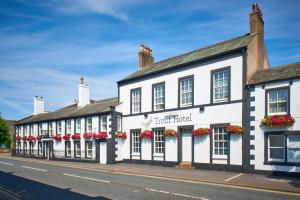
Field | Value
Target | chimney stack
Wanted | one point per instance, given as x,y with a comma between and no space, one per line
38,105
257,27
145,56
83,94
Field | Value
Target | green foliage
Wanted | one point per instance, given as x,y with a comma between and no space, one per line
4,133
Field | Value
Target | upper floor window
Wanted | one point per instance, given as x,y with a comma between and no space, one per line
69,126
89,125
159,96
50,128
31,129
186,91
25,129
59,127
78,125
221,85
277,101
103,123
136,100
119,122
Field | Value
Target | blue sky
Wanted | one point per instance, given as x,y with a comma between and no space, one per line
45,46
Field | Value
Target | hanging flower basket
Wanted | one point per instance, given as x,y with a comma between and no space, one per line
201,131
170,133
76,136
18,138
39,138
67,137
147,134
278,121
99,136
25,138
31,138
88,135
235,129
57,138
120,134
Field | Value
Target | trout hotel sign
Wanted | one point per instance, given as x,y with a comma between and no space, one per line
170,119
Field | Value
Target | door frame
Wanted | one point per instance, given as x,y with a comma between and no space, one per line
179,142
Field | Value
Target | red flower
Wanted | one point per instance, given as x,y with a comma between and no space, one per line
235,129
170,133
25,138
120,134
18,138
87,135
31,138
76,136
147,134
278,121
67,137
201,131
39,138
57,137
100,135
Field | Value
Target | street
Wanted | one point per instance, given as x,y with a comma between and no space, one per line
42,181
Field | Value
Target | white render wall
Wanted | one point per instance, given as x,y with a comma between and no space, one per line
259,114
216,114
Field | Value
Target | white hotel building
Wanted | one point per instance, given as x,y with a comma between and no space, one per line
229,83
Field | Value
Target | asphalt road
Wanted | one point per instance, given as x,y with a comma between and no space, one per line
41,181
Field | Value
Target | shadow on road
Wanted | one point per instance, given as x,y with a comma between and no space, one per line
29,189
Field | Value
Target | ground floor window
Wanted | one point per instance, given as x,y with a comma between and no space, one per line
136,143
77,149
40,147
88,149
25,148
68,148
31,148
220,142
19,147
283,148
158,142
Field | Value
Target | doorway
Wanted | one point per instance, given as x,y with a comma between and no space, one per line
186,140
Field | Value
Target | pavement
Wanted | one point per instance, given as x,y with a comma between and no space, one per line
134,181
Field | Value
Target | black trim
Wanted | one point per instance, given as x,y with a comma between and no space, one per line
212,84
131,91
252,108
252,99
252,128
274,89
154,85
252,147
179,89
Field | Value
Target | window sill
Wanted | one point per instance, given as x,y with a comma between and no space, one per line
220,157
282,163
135,154
158,155
185,105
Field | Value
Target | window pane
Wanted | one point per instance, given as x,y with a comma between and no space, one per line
294,141
277,153
276,140
278,101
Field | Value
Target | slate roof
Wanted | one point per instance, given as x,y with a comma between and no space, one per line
71,111
278,73
203,53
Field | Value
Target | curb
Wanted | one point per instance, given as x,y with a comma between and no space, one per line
181,179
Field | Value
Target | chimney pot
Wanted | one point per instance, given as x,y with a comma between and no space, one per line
81,80
145,56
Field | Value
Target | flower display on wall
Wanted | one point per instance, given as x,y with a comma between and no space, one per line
88,135
39,138
57,137
18,138
76,136
25,138
31,138
67,137
99,136
201,131
121,134
278,121
235,129
170,133
147,134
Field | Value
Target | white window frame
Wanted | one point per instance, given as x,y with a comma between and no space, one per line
104,123
269,152
59,127
293,148
50,128
89,124
159,96
225,86
136,100
88,150
220,149
68,148
78,125
186,89
25,130
31,148
136,143
158,142
277,101
119,123
25,148
77,149
40,148
32,129
69,126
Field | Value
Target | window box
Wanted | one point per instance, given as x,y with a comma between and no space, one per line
276,121
31,138
235,129
76,136
67,137
147,134
120,134
18,138
57,138
201,131
25,138
170,133
99,136
39,138
88,135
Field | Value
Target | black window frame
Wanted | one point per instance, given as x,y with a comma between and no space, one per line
66,155
153,101
275,89
179,89
75,142
85,149
212,84
131,107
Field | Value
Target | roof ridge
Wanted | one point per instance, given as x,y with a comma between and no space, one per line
285,65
